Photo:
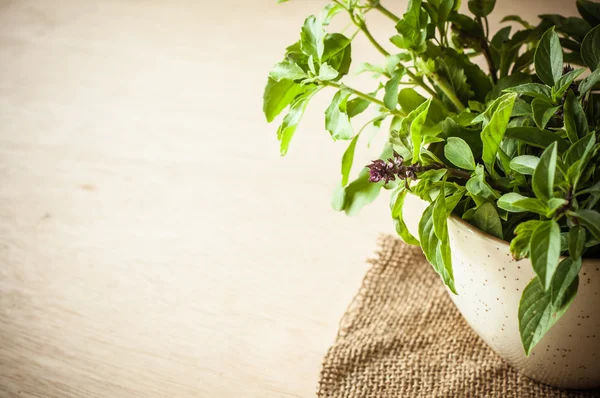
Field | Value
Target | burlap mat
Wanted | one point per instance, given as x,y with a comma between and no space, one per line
403,337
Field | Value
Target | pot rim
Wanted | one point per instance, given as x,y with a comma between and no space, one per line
501,242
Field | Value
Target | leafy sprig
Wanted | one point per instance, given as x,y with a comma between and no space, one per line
514,150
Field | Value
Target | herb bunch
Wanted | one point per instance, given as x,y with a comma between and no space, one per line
513,150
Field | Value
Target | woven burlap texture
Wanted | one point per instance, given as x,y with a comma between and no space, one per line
403,337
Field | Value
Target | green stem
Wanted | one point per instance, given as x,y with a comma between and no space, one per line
387,13
365,96
447,90
418,80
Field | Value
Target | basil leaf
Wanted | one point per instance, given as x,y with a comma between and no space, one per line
337,121
549,58
478,186
580,150
590,48
492,134
291,120
409,99
577,238
397,205
542,111
416,128
544,174
565,82
535,90
432,248
481,8
589,219
278,95
524,164
545,251
348,159
458,152
326,72
536,137
565,282
486,219
287,70
589,82
391,91
576,123
312,38
517,203
590,11
536,314
519,246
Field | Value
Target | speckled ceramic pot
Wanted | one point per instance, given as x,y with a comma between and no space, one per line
489,284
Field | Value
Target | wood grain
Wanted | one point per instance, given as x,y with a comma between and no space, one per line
152,242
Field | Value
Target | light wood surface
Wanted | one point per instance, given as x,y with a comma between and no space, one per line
152,241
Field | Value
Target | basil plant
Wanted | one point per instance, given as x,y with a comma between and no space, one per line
512,149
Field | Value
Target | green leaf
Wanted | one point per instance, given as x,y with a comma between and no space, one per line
521,108
534,90
326,72
458,152
486,219
328,12
287,70
565,283
478,186
517,203
432,247
292,119
545,251
589,219
590,11
416,128
536,137
390,98
553,205
312,38
338,52
348,159
580,150
576,123
549,58
589,82
410,100
397,205
278,95
337,121
524,164
481,8
517,18
493,132
544,174
590,49
542,112
536,314
577,238
565,82
519,246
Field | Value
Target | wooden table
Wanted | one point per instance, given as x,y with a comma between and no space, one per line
152,241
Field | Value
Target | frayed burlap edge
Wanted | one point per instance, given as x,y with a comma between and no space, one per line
402,337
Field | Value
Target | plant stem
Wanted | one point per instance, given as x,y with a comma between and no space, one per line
487,53
447,90
417,79
387,12
365,96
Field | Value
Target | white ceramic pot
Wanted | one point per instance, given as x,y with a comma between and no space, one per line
489,285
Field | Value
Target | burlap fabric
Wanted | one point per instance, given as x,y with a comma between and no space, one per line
403,337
